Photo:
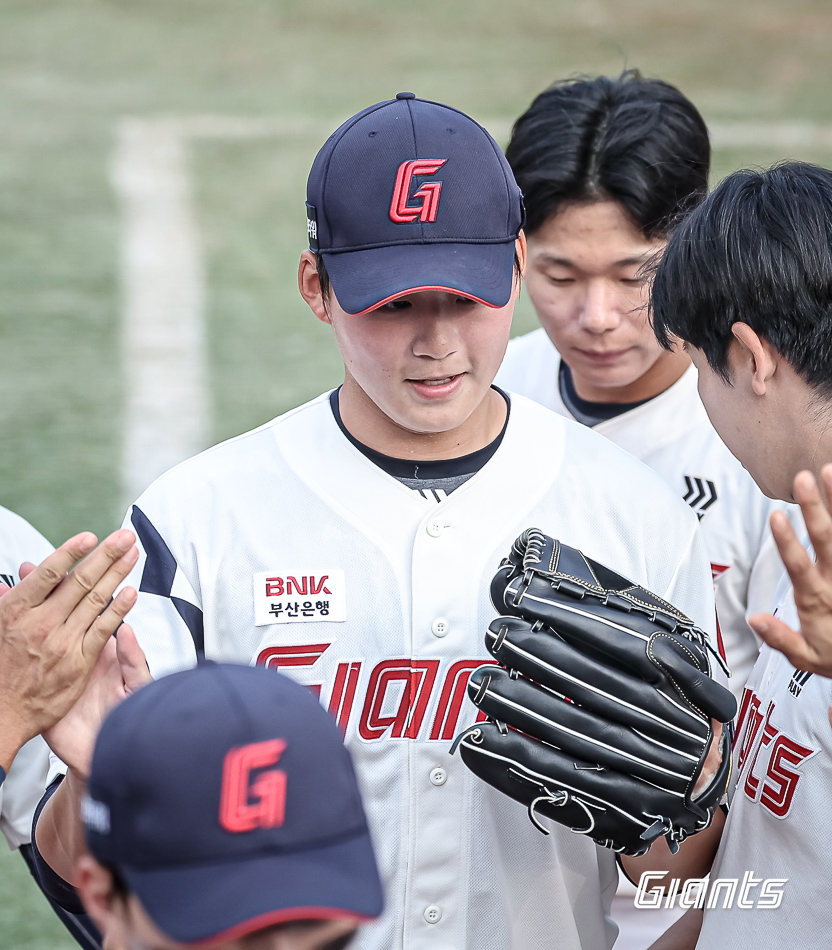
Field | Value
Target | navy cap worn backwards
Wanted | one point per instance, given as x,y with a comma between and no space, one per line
413,195
225,796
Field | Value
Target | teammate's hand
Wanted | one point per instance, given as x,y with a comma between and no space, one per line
810,648
121,669
53,626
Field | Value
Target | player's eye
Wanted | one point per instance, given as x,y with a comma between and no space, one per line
393,305
560,281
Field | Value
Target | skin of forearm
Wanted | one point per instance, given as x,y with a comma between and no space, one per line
59,833
693,860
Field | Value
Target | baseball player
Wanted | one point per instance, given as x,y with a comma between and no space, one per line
606,165
269,850
351,541
49,640
764,377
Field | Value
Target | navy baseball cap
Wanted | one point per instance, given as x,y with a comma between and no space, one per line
413,195
226,798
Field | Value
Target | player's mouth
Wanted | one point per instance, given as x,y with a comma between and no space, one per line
603,357
436,387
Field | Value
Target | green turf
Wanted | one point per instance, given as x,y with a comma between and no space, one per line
26,922
71,69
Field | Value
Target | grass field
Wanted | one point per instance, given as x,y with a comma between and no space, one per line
72,70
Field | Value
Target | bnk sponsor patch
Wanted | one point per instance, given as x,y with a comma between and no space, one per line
283,597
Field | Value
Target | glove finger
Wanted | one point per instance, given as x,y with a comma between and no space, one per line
499,582
541,656
626,637
580,733
610,807
671,654
620,634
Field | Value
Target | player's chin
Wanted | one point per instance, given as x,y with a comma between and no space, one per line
436,416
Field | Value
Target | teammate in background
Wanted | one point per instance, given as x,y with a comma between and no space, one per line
267,850
606,166
351,541
51,632
765,377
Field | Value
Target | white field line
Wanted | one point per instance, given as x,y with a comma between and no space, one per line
163,347
168,412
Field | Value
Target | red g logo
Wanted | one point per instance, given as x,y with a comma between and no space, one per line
237,812
403,213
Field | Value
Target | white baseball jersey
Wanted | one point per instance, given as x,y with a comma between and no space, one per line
775,858
26,781
289,548
673,435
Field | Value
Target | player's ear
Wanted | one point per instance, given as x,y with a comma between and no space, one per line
309,285
98,894
755,355
521,252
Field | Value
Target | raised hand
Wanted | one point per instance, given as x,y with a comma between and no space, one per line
53,626
810,647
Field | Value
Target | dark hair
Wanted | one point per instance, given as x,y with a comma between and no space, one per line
326,284
757,251
632,140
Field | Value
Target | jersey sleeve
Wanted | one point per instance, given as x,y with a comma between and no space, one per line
167,616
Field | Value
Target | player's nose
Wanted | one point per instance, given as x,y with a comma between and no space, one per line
435,334
598,311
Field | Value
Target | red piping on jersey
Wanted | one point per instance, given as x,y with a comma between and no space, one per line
417,290
279,917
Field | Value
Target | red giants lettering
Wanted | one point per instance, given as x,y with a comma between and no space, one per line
450,701
398,693
343,693
237,812
276,658
768,760
275,586
418,677
403,213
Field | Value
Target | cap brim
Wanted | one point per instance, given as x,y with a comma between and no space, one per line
364,280
206,904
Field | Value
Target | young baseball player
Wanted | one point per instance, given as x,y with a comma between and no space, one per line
50,636
746,281
351,541
268,850
606,166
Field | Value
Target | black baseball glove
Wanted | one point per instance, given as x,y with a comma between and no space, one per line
600,710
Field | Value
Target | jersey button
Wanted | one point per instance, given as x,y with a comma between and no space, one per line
438,776
439,627
433,914
435,528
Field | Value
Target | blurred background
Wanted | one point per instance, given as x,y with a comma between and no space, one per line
152,174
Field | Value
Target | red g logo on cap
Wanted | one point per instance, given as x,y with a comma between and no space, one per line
237,811
403,213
